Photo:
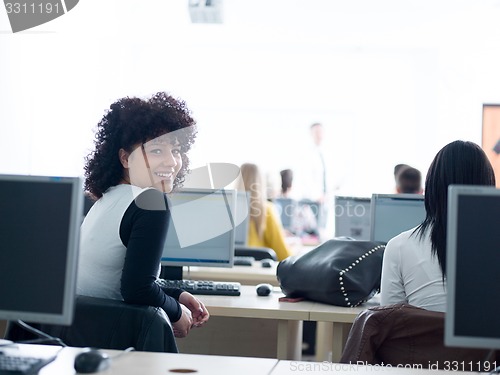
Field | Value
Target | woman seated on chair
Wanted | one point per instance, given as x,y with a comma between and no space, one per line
140,155
414,264
265,229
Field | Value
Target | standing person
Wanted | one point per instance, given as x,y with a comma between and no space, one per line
312,177
414,264
265,229
140,155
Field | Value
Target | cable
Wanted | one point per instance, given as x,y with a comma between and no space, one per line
39,333
129,349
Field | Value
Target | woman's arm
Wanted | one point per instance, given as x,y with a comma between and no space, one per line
392,287
143,231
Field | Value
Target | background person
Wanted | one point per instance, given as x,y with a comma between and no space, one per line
265,229
312,179
408,180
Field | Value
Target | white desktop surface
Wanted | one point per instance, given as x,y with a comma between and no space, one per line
147,363
246,275
250,305
333,325
289,316
299,367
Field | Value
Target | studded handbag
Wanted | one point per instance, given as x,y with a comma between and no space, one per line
340,272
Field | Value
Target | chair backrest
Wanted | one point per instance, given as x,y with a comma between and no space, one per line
258,253
110,324
402,334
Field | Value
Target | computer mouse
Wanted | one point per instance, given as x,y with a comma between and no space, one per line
264,289
266,263
91,360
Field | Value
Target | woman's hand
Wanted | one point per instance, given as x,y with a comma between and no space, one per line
198,310
183,325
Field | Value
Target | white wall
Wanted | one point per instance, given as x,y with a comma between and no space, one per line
392,80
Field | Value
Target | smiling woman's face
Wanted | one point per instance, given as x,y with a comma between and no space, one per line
153,164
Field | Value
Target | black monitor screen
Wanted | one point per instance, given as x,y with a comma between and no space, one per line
39,223
473,258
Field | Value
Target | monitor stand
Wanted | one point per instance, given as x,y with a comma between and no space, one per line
171,272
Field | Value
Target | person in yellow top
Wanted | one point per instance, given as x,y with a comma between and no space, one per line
265,229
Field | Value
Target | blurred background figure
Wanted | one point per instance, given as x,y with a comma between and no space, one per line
312,177
286,182
301,218
265,229
408,179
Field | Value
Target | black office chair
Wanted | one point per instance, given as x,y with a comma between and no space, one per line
258,253
109,324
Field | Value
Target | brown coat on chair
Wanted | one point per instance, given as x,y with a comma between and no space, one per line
402,334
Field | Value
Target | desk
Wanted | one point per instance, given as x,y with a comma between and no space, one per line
150,363
145,363
311,368
246,275
289,317
334,323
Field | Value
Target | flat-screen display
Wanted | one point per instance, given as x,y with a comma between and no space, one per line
40,221
392,214
472,267
352,217
285,208
201,228
242,219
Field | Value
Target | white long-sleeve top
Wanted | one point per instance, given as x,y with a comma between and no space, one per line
411,274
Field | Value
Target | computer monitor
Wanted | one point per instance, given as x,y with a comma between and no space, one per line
242,218
200,231
285,208
40,221
472,267
392,214
352,217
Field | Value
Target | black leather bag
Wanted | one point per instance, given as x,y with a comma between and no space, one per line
339,272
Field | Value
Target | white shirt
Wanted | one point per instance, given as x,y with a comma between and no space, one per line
411,274
102,253
310,175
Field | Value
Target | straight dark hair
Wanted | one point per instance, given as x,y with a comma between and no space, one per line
457,163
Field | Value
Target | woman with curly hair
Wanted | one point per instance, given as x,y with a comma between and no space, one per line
140,155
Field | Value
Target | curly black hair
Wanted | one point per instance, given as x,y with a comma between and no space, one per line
131,121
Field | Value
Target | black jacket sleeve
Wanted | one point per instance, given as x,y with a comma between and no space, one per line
143,230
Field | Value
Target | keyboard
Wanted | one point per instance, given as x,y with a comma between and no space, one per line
203,287
17,365
243,261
